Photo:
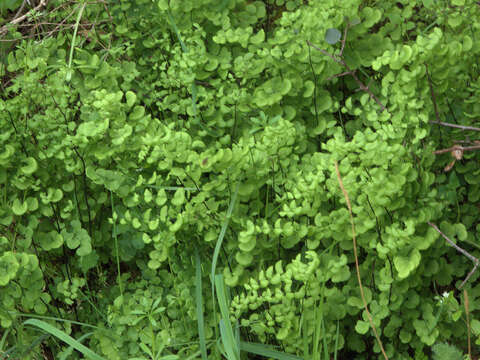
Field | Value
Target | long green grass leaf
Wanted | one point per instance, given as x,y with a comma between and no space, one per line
222,297
220,347
72,46
64,337
68,352
57,319
218,245
229,340
173,24
267,351
199,306
325,344
336,340
4,339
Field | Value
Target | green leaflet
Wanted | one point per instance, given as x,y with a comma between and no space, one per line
407,263
18,207
9,265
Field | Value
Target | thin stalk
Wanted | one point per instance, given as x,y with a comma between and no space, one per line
357,267
116,245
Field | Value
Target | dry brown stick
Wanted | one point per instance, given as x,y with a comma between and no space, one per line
62,22
344,40
367,89
457,147
345,73
435,107
357,267
467,314
325,53
20,9
463,127
459,249
339,60
4,28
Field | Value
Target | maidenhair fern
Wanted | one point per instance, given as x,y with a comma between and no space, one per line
253,115
444,351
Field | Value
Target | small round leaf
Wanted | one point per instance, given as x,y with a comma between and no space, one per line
362,327
19,208
333,36
30,167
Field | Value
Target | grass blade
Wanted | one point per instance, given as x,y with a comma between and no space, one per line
325,345
64,337
336,340
59,320
199,306
219,345
218,245
222,297
230,343
4,339
267,351
68,352
72,47
173,24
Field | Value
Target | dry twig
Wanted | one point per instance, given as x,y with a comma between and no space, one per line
459,249
16,20
463,127
457,148
357,267
20,9
341,61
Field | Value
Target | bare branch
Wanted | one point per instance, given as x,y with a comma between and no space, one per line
463,127
324,52
459,249
4,28
344,40
339,75
457,147
20,9
367,89
339,60
357,266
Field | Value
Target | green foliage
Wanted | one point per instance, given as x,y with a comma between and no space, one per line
175,131
445,351
64,337
11,5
